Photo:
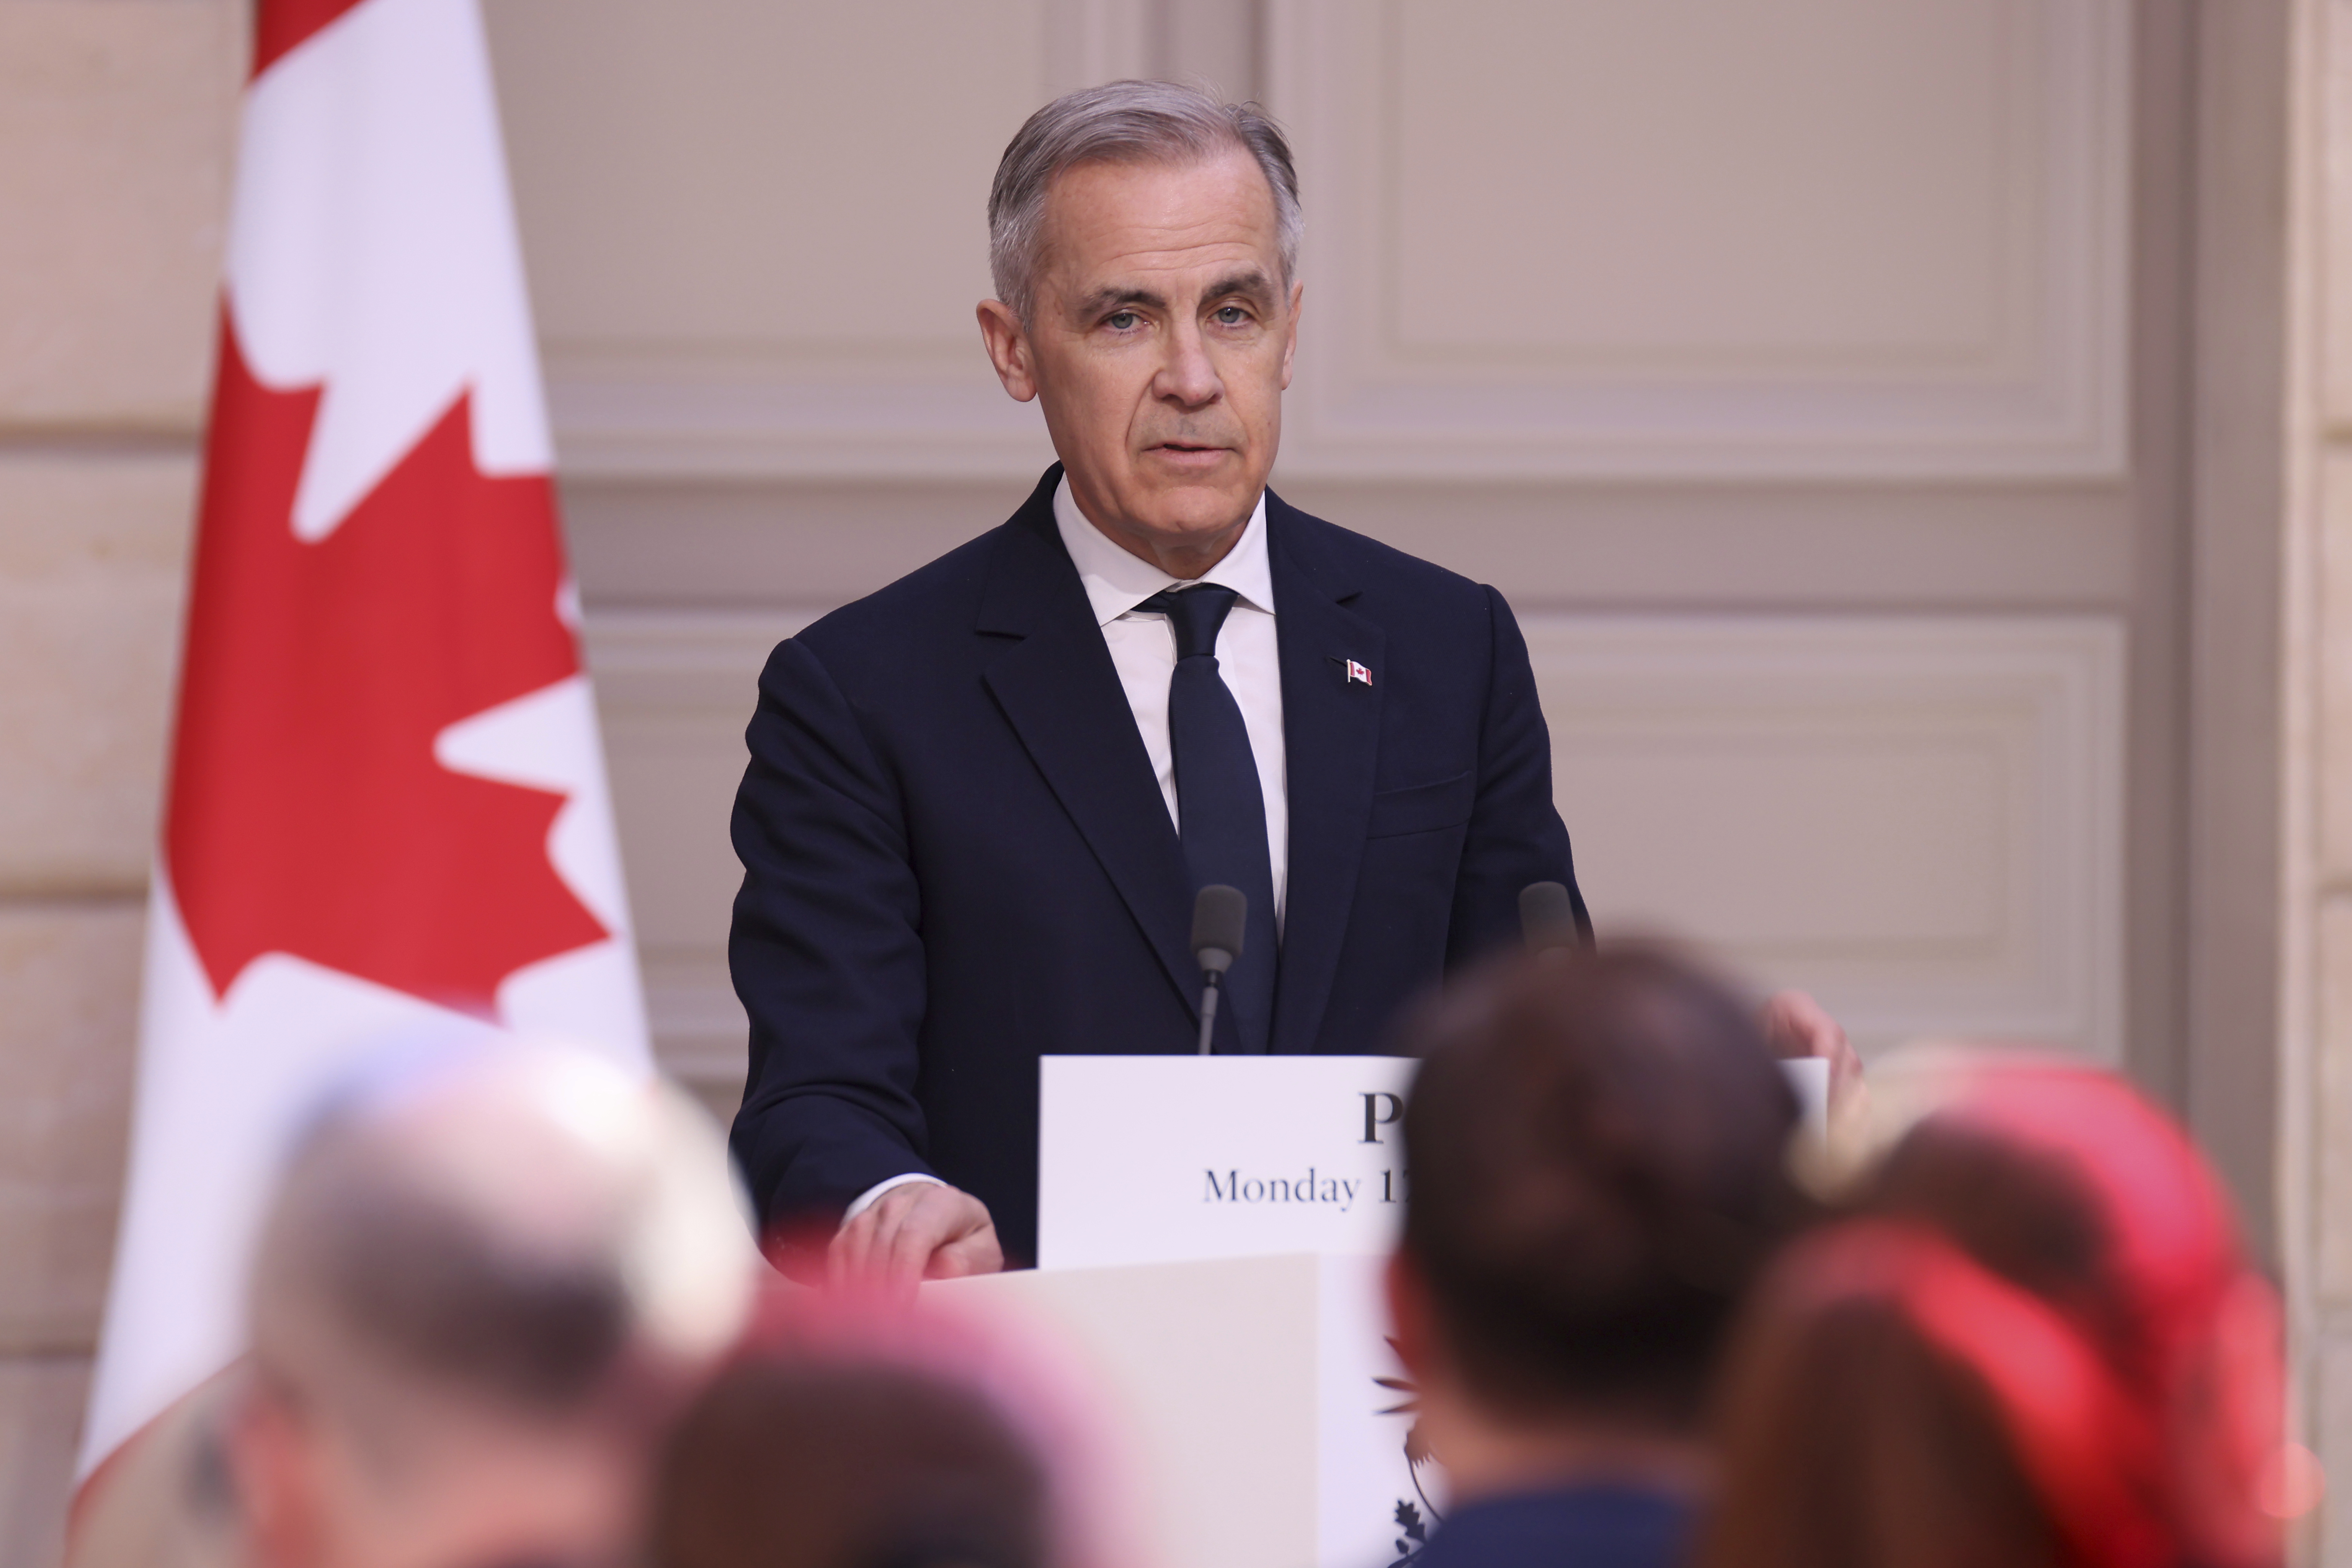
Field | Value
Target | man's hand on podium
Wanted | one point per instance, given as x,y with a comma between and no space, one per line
925,1230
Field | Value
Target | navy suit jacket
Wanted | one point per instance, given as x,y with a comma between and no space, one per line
957,859
1595,1526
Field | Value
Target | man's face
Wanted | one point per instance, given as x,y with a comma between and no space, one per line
1159,344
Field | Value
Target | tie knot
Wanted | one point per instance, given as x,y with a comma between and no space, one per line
1195,613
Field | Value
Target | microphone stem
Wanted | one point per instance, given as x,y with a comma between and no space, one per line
1209,991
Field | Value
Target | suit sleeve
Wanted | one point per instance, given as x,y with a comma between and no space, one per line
827,952
1515,834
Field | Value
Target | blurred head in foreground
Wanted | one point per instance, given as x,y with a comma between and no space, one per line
863,1434
485,1282
2040,1346
1598,1149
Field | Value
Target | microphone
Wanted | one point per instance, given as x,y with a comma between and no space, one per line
1220,917
1548,917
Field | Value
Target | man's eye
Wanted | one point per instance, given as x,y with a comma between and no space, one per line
1232,316
1121,320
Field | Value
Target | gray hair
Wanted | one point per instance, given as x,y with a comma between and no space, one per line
1121,123
519,1225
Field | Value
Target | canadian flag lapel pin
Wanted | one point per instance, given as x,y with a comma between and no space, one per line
1357,674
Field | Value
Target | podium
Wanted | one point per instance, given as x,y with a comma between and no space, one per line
1212,1232
1241,1434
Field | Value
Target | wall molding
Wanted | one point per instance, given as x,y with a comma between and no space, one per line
1919,819
624,407
2046,395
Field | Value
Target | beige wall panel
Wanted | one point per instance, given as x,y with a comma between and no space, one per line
1833,236
69,974
92,556
1918,820
757,232
116,124
40,1421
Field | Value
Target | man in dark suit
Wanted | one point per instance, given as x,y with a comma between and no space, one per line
981,801
1597,1146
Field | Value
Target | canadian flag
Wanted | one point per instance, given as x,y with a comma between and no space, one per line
387,810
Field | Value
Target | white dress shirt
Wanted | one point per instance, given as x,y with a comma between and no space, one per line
1143,647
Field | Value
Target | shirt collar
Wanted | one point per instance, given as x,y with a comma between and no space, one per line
1116,581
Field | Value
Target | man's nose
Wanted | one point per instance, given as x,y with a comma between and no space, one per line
1188,376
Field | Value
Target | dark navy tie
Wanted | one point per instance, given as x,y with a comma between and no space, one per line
1219,807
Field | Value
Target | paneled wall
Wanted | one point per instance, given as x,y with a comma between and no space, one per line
1833,237
1811,378
1915,817
1779,366
754,228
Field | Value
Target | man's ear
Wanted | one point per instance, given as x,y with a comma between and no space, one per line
1290,333
1008,349
266,1443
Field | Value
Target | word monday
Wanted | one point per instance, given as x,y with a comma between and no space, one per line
1337,1192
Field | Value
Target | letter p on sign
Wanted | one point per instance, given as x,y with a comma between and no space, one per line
1381,1109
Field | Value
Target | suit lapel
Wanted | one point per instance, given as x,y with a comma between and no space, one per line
1331,731
1058,689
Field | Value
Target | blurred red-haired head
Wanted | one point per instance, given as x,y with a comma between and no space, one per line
853,1430
2042,1344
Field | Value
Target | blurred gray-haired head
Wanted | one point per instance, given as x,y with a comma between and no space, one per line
1123,122
514,1227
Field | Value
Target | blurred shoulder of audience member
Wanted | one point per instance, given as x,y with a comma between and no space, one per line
485,1284
1598,1145
2040,1343
857,1433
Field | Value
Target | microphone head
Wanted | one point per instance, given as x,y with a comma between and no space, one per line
1220,917
1547,916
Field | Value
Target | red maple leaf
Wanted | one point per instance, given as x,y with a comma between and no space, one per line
308,815
280,25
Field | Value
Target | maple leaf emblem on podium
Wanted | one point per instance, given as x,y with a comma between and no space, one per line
309,814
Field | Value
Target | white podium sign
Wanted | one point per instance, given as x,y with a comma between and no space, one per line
1169,1159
